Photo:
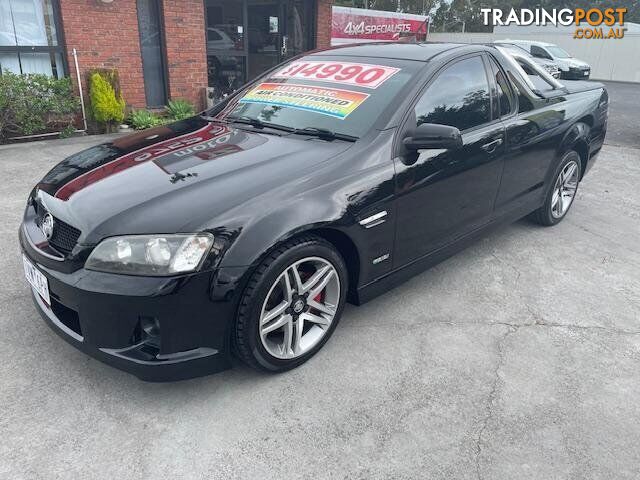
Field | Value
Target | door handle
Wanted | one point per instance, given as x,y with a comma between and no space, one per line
491,146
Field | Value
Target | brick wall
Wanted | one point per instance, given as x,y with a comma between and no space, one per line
323,24
184,23
105,36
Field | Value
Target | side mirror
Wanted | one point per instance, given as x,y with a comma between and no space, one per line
431,135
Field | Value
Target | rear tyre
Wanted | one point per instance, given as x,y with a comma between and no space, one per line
564,187
291,305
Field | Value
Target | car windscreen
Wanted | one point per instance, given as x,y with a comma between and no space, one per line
558,52
514,48
345,95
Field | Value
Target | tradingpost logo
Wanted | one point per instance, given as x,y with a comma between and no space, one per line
590,23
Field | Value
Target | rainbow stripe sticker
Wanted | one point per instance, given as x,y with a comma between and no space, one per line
327,101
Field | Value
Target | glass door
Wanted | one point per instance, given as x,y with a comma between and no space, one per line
265,32
295,40
277,30
226,45
246,38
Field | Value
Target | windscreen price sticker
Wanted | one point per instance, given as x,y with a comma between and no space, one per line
357,74
327,101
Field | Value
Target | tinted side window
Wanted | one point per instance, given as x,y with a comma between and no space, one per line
503,94
524,104
539,52
459,96
503,91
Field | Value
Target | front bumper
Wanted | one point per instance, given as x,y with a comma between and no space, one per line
104,315
576,74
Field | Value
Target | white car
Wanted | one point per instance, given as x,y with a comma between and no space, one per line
548,65
219,40
570,68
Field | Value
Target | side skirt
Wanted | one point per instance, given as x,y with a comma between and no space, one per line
400,275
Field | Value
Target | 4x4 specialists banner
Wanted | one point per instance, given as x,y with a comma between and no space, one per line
361,25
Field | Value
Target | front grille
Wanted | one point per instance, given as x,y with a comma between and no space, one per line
64,237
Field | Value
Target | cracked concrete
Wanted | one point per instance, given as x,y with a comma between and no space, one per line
517,358
492,397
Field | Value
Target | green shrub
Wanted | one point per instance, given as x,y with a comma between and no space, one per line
35,103
179,109
67,131
107,106
141,119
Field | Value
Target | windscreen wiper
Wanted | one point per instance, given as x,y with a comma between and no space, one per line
254,122
257,123
324,133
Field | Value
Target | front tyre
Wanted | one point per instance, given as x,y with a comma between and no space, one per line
291,304
564,188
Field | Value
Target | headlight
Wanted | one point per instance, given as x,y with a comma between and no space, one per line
155,255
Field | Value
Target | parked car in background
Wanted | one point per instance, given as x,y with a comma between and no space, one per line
332,177
570,68
219,40
550,66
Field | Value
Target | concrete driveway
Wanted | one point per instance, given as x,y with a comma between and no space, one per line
624,123
519,358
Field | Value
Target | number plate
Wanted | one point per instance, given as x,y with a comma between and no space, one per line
586,72
36,279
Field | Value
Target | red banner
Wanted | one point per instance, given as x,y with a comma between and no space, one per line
375,25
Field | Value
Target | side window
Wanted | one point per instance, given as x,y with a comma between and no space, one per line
459,96
524,103
539,52
504,93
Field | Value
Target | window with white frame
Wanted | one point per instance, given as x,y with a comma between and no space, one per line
29,38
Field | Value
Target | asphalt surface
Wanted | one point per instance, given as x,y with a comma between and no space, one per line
624,125
517,358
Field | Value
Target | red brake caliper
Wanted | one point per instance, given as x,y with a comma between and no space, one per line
319,297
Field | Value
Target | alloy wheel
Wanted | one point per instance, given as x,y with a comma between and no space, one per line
299,308
564,189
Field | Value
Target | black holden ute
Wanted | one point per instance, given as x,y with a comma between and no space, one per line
245,229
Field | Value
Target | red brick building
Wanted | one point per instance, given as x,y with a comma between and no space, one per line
162,49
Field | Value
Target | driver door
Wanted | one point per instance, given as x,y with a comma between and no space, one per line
444,194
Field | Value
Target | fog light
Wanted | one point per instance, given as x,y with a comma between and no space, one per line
150,331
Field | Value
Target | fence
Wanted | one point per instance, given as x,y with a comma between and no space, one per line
610,59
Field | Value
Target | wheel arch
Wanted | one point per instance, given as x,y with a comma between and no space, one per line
347,248
340,240
577,138
272,238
